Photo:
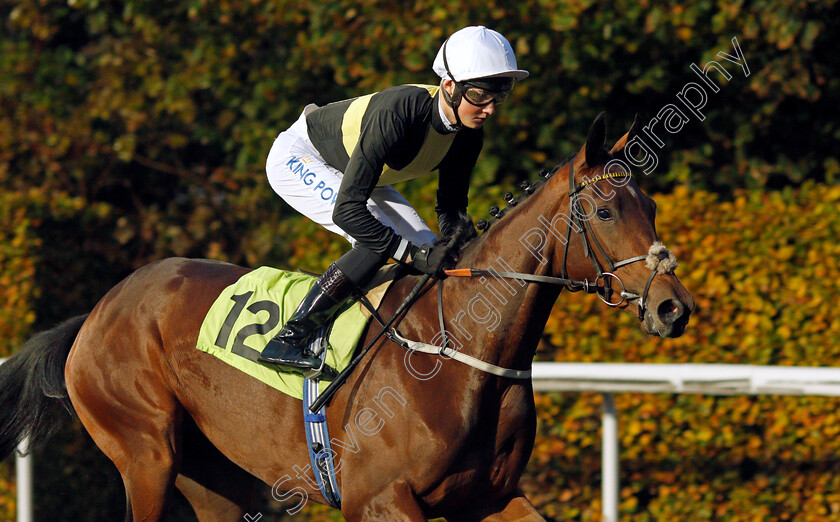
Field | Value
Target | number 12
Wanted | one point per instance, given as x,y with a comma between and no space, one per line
239,346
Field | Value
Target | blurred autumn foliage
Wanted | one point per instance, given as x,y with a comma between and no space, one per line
136,130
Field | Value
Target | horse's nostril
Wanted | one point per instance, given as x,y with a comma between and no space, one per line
670,310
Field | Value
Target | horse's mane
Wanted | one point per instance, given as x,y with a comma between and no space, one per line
528,189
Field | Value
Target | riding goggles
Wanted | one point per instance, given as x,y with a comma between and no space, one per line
482,97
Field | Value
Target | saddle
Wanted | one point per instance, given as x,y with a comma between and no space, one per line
249,312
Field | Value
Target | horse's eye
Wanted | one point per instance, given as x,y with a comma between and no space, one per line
604,214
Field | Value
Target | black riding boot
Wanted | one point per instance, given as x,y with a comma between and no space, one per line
289,347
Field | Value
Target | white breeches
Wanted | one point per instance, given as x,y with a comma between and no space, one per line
299,175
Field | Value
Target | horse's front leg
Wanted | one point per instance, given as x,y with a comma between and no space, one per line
396,502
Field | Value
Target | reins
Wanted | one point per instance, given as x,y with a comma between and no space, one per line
342,376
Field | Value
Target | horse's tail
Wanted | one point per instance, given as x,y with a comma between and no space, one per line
32,388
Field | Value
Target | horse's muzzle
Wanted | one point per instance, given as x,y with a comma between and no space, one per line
668,318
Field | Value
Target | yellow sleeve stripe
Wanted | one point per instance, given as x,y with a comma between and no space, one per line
351,124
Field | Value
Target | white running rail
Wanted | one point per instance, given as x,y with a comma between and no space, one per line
706,379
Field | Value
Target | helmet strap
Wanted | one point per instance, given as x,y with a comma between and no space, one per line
454,100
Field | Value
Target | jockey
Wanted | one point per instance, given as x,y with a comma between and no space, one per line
336,165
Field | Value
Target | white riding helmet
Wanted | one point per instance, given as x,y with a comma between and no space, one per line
476,52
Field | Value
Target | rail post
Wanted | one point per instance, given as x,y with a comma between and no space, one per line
23,476
609,460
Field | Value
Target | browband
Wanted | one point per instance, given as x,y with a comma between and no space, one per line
599,177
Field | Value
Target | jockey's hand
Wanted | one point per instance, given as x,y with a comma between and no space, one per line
456,223
466,232
433,260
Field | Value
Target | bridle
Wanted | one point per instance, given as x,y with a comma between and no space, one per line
576,211
657,254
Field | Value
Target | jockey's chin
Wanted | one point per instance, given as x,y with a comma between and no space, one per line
474,117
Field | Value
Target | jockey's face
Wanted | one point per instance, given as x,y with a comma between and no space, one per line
471,115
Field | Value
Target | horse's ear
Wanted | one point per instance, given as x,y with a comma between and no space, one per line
597,139
634,131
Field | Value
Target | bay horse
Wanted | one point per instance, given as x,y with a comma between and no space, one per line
415,436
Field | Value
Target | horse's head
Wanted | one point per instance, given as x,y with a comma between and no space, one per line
613,238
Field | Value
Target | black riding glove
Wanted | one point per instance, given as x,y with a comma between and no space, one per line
450,223
433,260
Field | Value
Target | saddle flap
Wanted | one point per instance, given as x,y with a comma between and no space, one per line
377,287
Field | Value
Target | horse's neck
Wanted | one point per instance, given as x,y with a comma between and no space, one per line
509,316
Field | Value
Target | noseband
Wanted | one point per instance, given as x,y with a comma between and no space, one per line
659,260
